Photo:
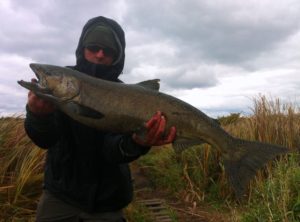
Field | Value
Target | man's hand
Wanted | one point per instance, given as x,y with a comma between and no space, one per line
155,135
39,106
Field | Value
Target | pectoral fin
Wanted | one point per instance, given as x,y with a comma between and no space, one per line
81,110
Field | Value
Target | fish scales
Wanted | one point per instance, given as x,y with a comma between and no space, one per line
124,108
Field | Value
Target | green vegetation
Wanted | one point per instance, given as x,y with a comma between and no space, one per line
138,212
163,170
274,194
195,177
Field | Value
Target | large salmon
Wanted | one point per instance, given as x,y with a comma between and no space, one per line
124,108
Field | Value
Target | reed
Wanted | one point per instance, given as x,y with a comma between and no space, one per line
274,193
21,171
196,176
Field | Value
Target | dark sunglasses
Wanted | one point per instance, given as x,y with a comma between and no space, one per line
106,51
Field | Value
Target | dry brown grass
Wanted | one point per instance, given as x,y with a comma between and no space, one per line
20,172
197,176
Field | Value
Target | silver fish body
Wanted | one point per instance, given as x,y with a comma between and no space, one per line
124,108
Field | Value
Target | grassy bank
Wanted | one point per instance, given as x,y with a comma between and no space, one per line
20,173
195,177
273,195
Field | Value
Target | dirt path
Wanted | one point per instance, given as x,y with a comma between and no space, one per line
186,211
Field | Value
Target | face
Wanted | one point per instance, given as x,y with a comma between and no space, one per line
98,55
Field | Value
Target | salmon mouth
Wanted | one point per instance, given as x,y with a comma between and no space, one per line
39,85
34,86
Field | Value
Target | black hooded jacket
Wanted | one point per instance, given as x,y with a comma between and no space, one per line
86,167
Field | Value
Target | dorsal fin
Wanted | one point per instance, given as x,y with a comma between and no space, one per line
150,84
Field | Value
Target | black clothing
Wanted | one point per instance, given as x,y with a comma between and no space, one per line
53,209
97,70
85,167
82,64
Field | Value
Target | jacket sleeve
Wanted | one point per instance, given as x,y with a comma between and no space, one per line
41,130
117,148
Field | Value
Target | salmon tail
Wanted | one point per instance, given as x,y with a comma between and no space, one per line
248,157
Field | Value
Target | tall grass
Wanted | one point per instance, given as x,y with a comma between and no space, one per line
274,194
20,172
196,176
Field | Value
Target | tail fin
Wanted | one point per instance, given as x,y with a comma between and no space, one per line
249,157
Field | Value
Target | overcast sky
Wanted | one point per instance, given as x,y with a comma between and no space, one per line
214,54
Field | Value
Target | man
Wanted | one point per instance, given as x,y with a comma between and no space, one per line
87,177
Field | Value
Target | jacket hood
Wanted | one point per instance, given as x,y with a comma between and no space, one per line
117,67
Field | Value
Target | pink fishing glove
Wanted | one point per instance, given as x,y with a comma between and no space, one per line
155,132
